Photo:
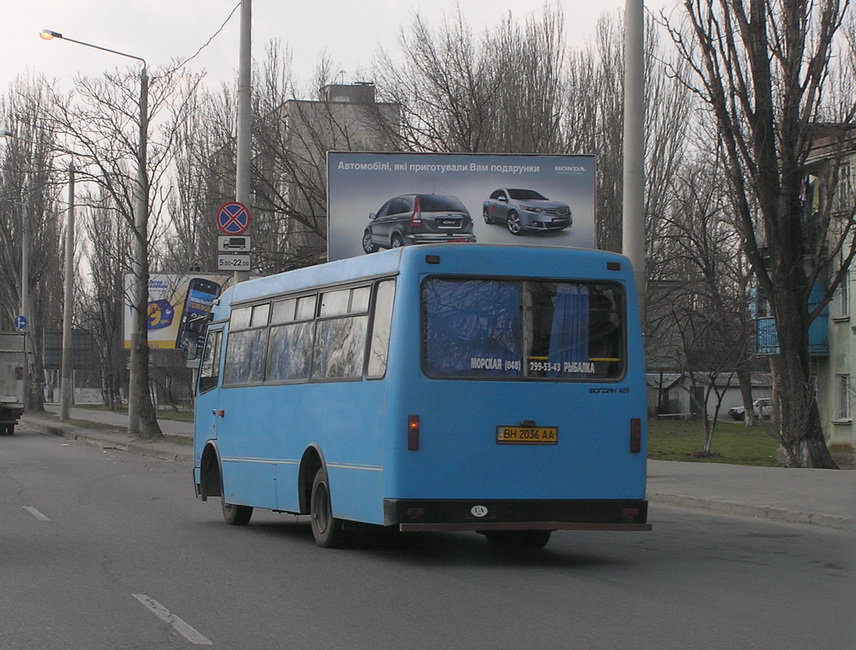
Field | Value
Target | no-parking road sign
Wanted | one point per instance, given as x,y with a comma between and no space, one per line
233,218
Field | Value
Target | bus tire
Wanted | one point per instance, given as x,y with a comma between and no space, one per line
327,530
517,540
234,515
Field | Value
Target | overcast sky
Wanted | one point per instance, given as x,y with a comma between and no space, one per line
349,31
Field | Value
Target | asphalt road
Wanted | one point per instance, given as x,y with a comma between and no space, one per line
104,549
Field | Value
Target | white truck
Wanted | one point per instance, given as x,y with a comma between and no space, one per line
12,360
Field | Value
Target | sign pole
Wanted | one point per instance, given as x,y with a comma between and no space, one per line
242,164
67,384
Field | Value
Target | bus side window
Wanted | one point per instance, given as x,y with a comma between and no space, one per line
209,371
245,348
341,334
380,329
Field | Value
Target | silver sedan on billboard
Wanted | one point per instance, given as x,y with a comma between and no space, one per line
526,210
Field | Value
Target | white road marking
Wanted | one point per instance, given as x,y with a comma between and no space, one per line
38,515
180,626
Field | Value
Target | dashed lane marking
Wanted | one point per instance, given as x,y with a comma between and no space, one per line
179,625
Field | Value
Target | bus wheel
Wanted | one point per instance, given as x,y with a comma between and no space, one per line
234,515
326,529
514,540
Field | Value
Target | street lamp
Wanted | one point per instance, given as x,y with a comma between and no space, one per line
139,289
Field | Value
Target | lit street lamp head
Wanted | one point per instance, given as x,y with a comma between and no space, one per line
48,35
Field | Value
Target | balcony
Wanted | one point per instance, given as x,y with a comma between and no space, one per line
767,339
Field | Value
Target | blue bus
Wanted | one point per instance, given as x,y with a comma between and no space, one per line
487,388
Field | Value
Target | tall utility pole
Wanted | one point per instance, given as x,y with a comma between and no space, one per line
633,230
242,176
25,289
67,386
139,362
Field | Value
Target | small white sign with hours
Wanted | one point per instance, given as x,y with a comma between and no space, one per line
233,262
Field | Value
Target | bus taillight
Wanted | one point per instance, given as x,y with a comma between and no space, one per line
412,432
635,435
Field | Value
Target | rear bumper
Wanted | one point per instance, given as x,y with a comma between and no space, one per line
10,414
516,514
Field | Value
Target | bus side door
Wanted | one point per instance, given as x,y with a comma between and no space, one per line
208,390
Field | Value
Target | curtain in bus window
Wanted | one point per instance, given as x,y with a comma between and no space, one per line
472,328
569,335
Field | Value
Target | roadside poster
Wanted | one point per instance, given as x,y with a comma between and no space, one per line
178,305
383,200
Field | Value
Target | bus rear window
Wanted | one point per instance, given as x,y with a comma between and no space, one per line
506,329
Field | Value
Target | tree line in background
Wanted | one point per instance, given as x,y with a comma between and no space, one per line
733,92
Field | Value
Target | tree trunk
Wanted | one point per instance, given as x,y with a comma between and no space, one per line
744,378
149,427
800,428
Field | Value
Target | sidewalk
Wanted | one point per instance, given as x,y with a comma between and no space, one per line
109,430
818,497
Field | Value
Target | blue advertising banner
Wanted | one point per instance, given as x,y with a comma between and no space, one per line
383,200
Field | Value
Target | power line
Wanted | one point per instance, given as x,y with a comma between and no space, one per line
213,36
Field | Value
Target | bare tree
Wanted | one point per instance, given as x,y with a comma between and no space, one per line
762,68
700,250
291,137
100,302
29,212
446,88
101,122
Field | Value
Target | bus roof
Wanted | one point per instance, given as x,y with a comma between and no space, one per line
384,263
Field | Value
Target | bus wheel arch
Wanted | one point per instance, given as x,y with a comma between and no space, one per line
210,482
311,462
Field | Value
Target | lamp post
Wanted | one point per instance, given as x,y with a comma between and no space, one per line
139,289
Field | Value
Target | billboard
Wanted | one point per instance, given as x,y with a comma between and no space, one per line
382,200
178,304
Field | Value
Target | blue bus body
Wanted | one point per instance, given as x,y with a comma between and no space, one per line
428,427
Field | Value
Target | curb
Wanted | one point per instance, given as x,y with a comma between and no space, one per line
141,448
759,512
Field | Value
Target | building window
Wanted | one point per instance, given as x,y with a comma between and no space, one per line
842,397
841,300
843,199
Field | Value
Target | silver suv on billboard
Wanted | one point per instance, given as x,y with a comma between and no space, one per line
523,210
418,219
